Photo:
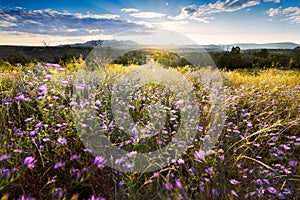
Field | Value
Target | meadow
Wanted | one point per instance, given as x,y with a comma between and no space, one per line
43,157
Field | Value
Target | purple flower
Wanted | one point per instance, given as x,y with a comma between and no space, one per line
59,164
48,77
272,190
180,161
76,173
75,157
52,65
61,140
210,170
6,174
155,175
73,103
131,154
234,182
234,193
96,198
215,192
29,161
178,184
4,157
287,191
121,183
199,155
58,193
168,186
23,197
293,163
280,195
99,161
20,98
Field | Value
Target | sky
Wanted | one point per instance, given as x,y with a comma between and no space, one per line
36,23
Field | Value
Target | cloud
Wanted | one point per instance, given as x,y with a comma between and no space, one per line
273,12
275,1
194,12
147,15
52,22
290,14
130,10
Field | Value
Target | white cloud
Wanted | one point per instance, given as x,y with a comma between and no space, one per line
130,10
275,1
194,12
147,15
290,14
273,12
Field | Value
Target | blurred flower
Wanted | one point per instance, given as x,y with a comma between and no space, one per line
62,140
272,190
210,170
215,192
6,174
48,77
280,195
287,191
95,198
178,184
58,193
168,186
99,161
20,98
4,157
234,193
180,161
131,154
121,183
59,164
234,182
52,65
293,163
76,173
75,157
23,197
199,155
29,161
155,175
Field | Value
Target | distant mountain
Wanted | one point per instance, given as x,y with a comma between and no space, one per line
220,47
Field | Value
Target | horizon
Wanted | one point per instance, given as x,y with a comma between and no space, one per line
208,22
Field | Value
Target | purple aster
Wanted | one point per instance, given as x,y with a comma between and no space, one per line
121,183
155,175
199,155
76,173
234,182
215,192
168,186
20,98
280,195
29,161
61,140
58,193
4,157
23,197
95,198
99,161
73,103
52,65
131,154
6,174
234,193
287,191
178,184
210,170
293,163
59,164
48,77
180,161
272,190
75,157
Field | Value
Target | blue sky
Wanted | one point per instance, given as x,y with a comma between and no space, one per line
27,22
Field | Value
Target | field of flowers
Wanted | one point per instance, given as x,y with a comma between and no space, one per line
42,156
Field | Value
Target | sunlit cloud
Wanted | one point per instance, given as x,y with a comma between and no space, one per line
147,15
290,14
130,10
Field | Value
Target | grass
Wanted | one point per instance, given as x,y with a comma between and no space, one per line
42,155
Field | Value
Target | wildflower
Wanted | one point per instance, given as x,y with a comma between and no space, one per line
73,103
210,170
168,186
131,154
62,140
4,157
178,184
52,65
18,150
99,161
6,174
180,161
96,198
280,195
234,182
155,175
58,193
199,154
23,197
287,191
272,190
293,163
59,164
20,98
48,77
76,173
29,161
75,157
121,183
234,193
215,192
